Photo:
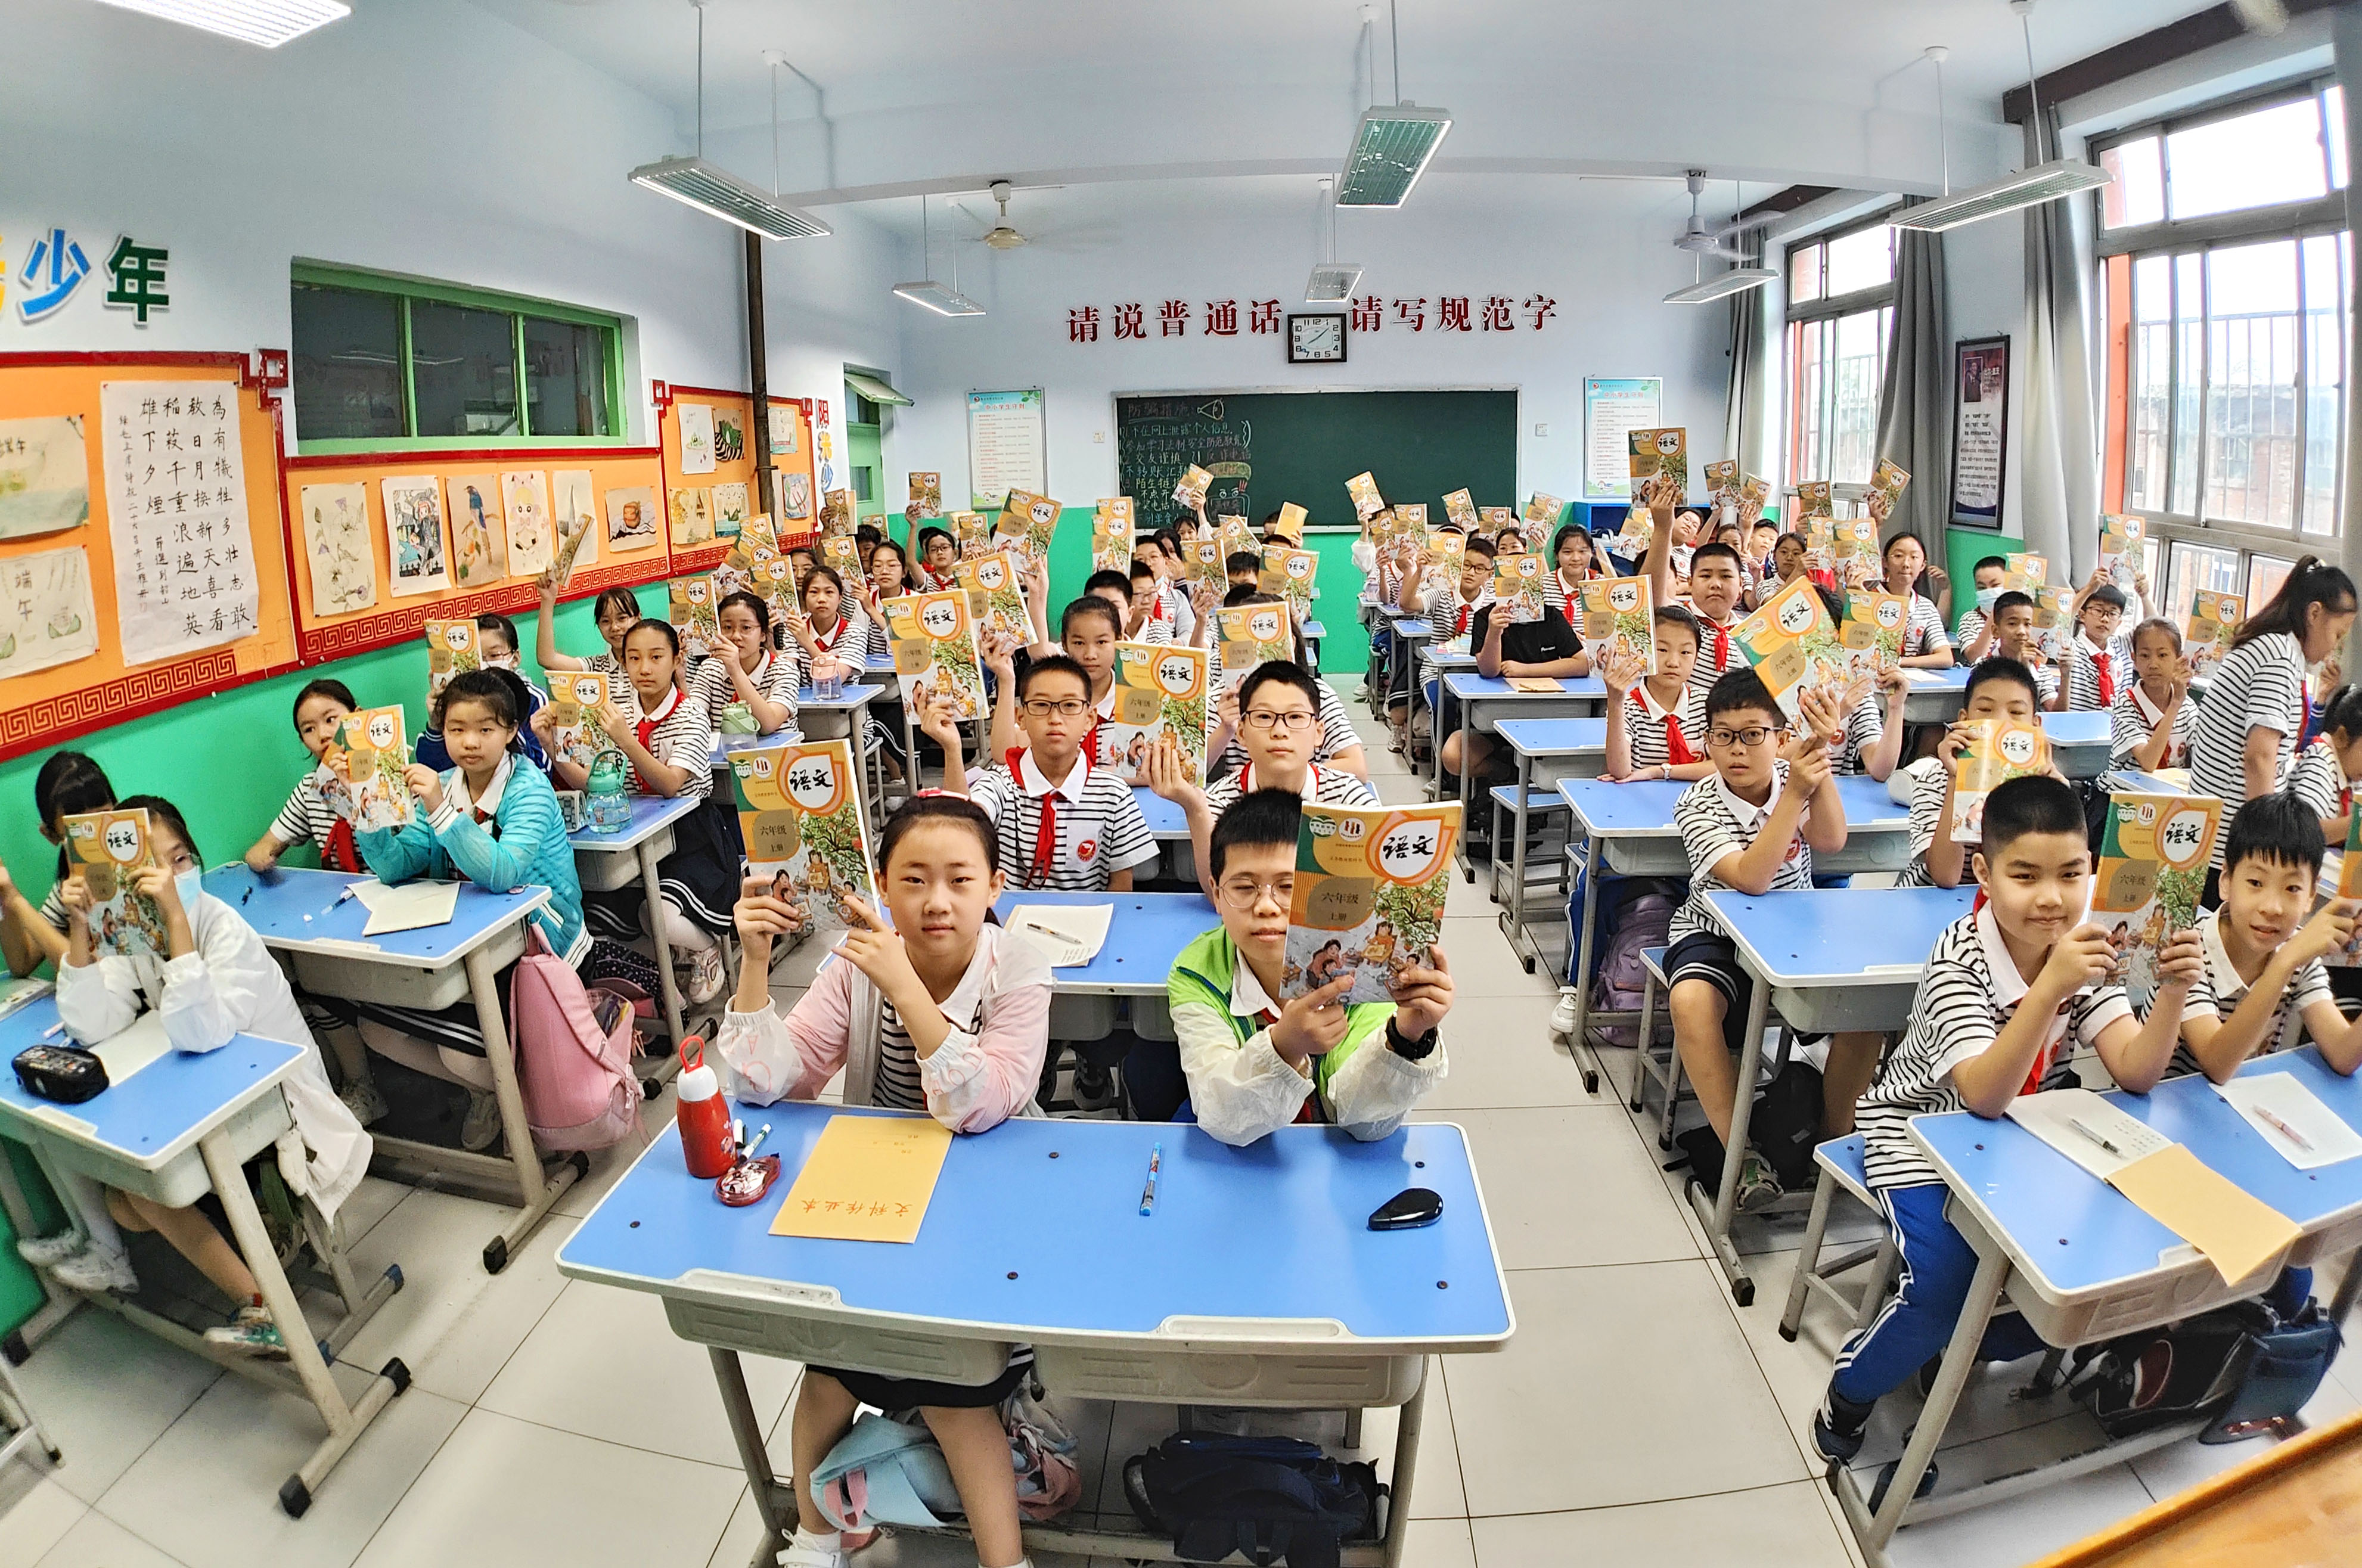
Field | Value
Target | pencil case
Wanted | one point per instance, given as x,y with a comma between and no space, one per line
65,1073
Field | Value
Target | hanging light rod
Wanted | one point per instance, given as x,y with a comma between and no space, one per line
713,189
1333,282
944,299
1394,142
2031,187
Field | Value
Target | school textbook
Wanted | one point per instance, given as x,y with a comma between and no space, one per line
690,605
1664,451
926,497
1160,689
1999,750
1190,490
362,778
1459,508
1363,489
1873,634
450,650
106,852
1289,573
575,733
996,600
1250,635
2213,618
2152,866
1517,587
934,641
799,812
1370,887
2120,549
1112,535
1617,610
1793,643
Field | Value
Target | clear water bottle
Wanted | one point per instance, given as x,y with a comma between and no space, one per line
610,809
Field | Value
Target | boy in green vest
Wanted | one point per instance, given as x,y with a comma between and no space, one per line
1254,1065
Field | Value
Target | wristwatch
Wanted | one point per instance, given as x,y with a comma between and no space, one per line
1416,1050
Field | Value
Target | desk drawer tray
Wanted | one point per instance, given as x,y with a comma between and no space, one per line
862,1347
2164,1298
1214,1376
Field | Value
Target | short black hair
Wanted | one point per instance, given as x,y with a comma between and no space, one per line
1280,672
2011,601
753,604
1140,568
2340,712
2107,593
500,691
1243,560
491,621
2156,624
1736,688
867,534
933,806
2278,828
2034,802
1082,609
161,809
1168,541
1478,544
1679,615
1118,581
929,535
1716,551
1996,562
334,690
622,598
1052,664
1240,593
1264,817
69,783
1831,601
2000,668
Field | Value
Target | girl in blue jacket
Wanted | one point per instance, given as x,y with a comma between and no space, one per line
492,819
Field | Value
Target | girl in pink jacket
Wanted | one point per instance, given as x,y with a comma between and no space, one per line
941,1013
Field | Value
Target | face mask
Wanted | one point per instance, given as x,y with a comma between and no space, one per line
1986,597
188,885
501,661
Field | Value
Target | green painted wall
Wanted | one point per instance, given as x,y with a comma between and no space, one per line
1963,548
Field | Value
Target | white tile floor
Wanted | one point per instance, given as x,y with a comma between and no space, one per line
1638,1416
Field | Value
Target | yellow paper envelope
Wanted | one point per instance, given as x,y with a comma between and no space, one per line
869,1179
2238,1234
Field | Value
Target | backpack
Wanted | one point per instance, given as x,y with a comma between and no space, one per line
2186,1371
1041,1452
1642,922
574,1053
1785,1125
2286,1361
1268,1498
885,1472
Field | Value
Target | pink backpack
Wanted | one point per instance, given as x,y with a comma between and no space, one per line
575,1072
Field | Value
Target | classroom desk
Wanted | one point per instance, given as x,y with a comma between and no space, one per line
1628,830
299,916
1935,696
1169,826
2081,744
607,861
1557,749
1829,960
181,1127
1179,1307
2083,1263
2133,781
1411,632
1313,631
1147,933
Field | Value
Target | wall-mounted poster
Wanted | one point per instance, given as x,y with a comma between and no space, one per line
1612,409
1980,429
525,496
574,507
697,438
729,510
44,476
47,616
336,547
191,508
480,536
783,432
631,517
692,516
795,494
413,534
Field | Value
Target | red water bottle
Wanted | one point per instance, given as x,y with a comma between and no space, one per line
702,1113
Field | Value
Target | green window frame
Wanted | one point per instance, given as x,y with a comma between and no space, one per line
519,308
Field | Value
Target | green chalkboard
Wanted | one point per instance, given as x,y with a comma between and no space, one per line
1267,447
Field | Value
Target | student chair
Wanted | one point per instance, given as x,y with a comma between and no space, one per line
15,1414
1840,1163
1645,1067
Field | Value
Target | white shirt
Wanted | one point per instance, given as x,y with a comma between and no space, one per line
1714,823
1095,820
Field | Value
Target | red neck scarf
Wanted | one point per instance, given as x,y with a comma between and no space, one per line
646,728
2106,664
1045,832
827,640
1677,745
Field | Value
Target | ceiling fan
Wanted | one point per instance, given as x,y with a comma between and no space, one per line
1701,240
1002,236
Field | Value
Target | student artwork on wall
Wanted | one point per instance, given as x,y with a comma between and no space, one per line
692,516
413,534
46,617
794,490
479,546
696,437
184,570
336,547
729,510
729,438
631,517
783,432
44,476
524,497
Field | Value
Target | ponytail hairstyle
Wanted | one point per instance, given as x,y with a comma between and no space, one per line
621,599
69,782
2341,714
2310,582
333,689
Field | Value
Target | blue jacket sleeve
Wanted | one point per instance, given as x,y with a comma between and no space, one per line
431,752
398,854
529,823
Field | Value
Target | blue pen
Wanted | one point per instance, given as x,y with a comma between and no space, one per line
1148,1193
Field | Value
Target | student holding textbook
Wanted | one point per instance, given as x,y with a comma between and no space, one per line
942,1013
2155,715
1656,728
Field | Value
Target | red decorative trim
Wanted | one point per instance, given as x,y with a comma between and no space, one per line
269,373
661,395
27,358
345,638
468,455
700,558
132,695
676,389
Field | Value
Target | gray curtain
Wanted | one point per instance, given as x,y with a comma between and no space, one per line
1744,403
2055,424
1915,405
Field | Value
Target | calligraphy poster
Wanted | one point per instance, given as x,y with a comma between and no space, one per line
696,437
1980,429
574,503
631,517
44,476
413,534
524,497
175,469
46,613
336,547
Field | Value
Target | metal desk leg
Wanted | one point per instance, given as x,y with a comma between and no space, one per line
58,1304
1468,725
1518,864
2343,1302
1405,1466
753,1456
1734,1153
345,1421
668,985
534,1191
1578,1040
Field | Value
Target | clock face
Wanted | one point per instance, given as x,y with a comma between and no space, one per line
1316,339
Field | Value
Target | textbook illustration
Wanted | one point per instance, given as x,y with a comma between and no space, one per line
1665,451
837,513
574,698
450,650
2214,617
926,497
1364,488
105,852
841,553
692,515
1753,492
1873,634
995,600
1370,885
2120,549
1289,524
729,510
696,437
972,532
1542,507
1517,587
524,497
1289,573
631,517
691,608
2151,869
934,641
1493,519
1410,519
1793,644
1160,689
2052,624
1203,559
1191,489
756,544
1998,751
1445,550
1249,634
799,813
795,495
364,783
1722,481
1887,484
1617,609
1111,533
2023,572
1460,509
775,580
336,543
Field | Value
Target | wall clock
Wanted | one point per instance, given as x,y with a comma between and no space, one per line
1317,339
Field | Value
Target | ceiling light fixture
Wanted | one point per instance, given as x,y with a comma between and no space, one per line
269,23
1333,282
714,190
1394,142
1702,242
944,299
2012,192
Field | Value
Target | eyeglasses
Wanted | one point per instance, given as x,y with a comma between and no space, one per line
1070,708
1264,719
1243,895
1754,735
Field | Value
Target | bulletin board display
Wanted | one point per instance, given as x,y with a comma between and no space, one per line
379,542
711,448
142,556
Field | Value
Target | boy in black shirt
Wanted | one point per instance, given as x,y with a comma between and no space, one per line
1548,646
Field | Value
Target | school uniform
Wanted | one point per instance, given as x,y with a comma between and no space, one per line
2260,685
1922,628
774,677
700,877
1717,654
2046,683
847,642
2318,780
1241,1089
1324,786
2096,675
1072,836
2134,719
1865,728
1565,597
2219,993
1656,733
1972,626
1926,820
1970,991
1714,822
308,818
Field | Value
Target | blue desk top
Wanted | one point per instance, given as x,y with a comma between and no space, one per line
1645,808
852,697
1412,629
2093,728
1955,677
1839,935
154,1115
1147,933
1465,684
650,813
724,746
298,908
880,664
2131,780
1165,819
2079,1232
1017,1241
1552,737
1312,629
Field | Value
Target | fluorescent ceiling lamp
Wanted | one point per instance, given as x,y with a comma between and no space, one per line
2010,194
1391,150
717,191
941,298
269,23
1739,280
1332,282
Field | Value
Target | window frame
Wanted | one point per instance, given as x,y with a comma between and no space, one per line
1827,307
2171,238
517,307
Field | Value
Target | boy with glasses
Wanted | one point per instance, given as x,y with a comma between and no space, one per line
1254,1065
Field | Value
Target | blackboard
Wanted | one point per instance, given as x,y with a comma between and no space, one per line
1266,448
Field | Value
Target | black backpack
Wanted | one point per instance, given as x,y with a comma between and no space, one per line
1270,1499
2238,1368
1784,1127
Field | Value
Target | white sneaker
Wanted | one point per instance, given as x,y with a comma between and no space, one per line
1562,1018
96,1269
43,1251
483,1122
797,1554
